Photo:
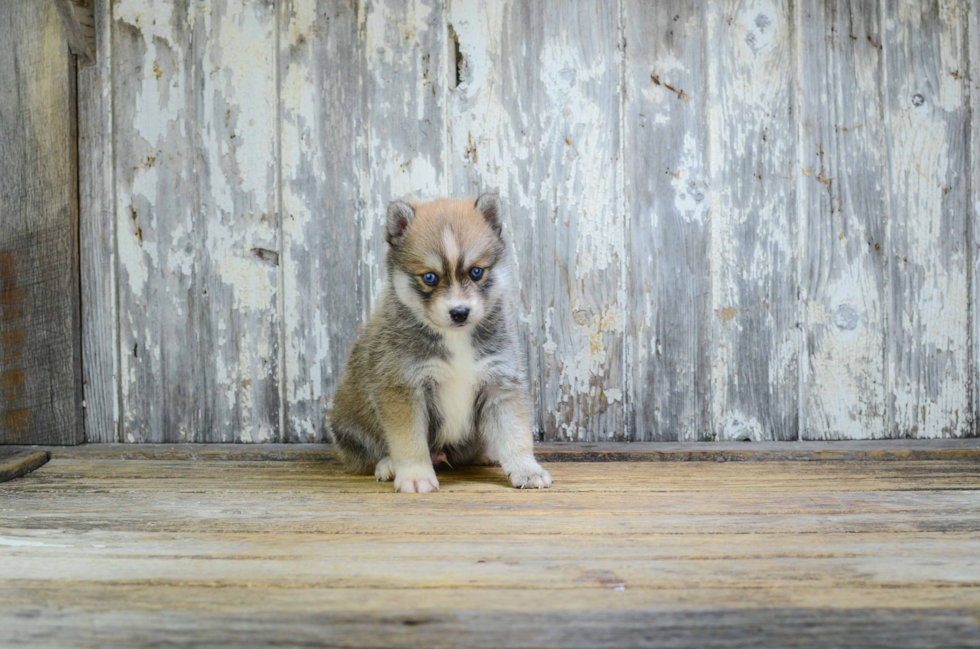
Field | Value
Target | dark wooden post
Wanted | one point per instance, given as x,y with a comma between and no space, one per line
40,336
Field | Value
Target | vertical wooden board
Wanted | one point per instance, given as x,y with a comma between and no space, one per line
754,247
667,198
239,199
843,194
974,162
403,150
926,50
489,145
97,236
40,344
161,351
537,116
195,142
320,104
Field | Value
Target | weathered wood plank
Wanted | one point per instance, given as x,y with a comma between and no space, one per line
555,157
702,548
569,565
97,235
403,43
197,220
88,597
14,464
306,623
155,177
843,193
927,98
974,223
40,344
878,450
320,102
811,487
667,198
754,245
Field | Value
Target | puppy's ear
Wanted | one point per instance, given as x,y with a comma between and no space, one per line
489,206
400,216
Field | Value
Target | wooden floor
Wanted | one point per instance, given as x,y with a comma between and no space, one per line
271,548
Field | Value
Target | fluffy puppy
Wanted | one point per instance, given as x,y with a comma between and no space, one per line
437,372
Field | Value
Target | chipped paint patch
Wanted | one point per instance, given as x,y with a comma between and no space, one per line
739,428
690,190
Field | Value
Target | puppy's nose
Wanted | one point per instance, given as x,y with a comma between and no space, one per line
459,314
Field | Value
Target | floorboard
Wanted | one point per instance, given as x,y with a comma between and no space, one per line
96,550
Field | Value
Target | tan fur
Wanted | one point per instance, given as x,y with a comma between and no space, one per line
462,218
419,382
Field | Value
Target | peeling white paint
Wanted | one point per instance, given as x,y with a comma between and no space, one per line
582,125
587,357
690,190
739,428
548,136
928,377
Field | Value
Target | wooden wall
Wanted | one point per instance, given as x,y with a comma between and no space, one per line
40,346
729,220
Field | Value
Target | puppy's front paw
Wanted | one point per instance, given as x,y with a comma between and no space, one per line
416,480
385,470
532,477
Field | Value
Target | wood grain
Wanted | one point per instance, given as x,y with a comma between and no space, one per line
973,233
876,451
843,185
703,553
97,236
928,132
667,198
14,464
432,627
555,158
754,246
40,343
197,219
321,106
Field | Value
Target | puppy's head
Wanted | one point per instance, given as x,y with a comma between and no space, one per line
446,258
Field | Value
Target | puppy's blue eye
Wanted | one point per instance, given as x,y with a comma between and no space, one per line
476,272
430,278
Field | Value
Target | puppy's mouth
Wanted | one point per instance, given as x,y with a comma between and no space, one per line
452,325
455,326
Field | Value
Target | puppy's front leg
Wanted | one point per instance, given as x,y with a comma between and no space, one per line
505,424
406,431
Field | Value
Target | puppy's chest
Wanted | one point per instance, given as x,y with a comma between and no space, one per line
457,381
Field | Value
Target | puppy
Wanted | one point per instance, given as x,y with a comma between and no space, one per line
437,372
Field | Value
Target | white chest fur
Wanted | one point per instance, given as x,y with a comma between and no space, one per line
457,380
